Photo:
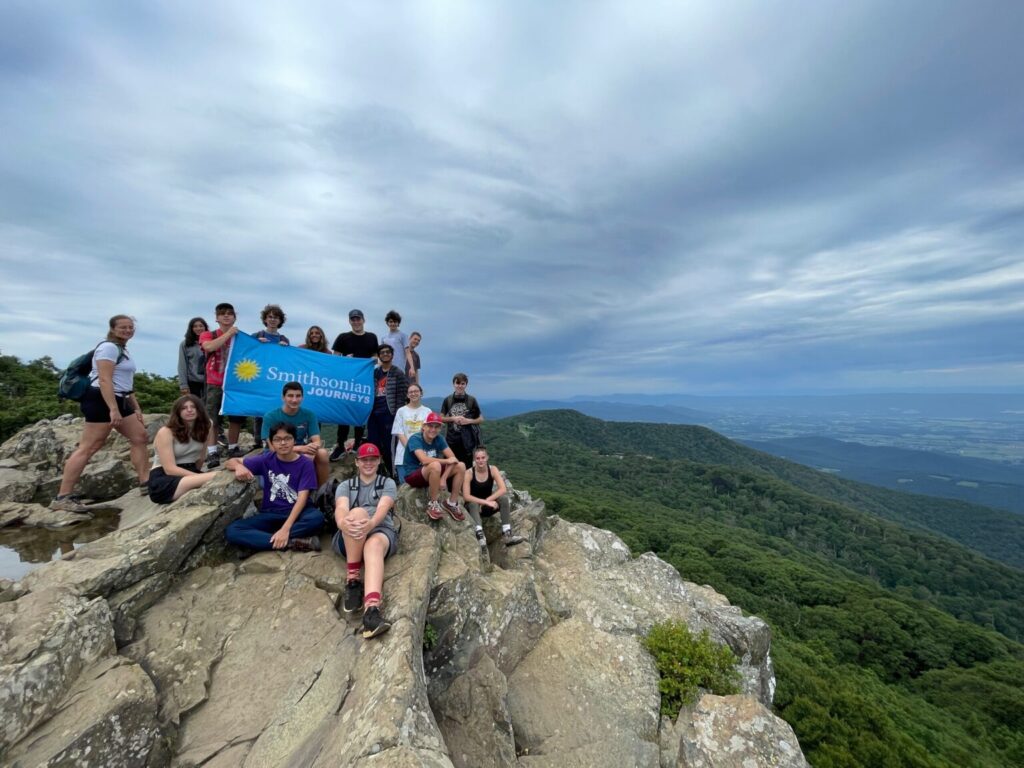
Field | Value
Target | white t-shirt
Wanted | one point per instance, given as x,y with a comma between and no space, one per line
124,372
408,421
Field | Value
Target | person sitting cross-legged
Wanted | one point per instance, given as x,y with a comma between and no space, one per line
485,493
286,519
366,536
307,428
429,462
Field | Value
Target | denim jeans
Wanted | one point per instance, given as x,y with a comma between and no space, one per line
255,532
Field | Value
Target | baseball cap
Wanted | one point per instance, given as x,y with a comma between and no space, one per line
432,418
356,314
368,449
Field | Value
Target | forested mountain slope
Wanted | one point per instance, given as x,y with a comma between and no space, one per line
894,646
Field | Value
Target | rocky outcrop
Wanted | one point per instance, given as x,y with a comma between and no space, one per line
18,484
38,516
158,645
47,637
108,719
546,636
31,461
735,732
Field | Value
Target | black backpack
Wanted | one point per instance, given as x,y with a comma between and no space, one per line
74,380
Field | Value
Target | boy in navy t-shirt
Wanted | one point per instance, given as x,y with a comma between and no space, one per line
285,520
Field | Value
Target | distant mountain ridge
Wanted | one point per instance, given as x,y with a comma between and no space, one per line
994,533
978,481
1005,406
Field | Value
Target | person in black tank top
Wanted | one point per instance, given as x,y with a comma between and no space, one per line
484,492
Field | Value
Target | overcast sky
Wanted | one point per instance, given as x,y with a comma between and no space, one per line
564,198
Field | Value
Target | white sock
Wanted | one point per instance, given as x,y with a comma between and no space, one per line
506,529
233,446
479,527
211,450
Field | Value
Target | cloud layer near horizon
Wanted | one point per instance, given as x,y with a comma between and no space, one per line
711,197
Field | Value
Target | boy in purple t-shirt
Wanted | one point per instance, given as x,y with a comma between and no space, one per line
284,521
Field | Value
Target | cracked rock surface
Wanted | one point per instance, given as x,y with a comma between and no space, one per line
158,645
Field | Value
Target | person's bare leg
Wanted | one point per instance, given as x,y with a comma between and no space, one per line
373,563
433,474
353,549
135,431
234,430
458,472
192,482
323,466
94,435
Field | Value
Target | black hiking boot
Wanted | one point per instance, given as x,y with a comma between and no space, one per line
353,596
373,623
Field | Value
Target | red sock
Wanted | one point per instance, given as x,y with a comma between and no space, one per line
353,570
373,598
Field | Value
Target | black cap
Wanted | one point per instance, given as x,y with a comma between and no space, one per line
356,314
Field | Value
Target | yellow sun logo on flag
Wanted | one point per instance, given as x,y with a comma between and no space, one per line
247,370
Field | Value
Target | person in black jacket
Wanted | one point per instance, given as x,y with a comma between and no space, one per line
390,387
461,412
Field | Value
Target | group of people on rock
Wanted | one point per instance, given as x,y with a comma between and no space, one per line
202,357
401,443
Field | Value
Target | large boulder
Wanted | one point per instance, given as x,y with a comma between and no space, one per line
108,719
47,638
105,477
38,516
47,443
585,698
499,613
37,454
44,444
591,574
474,718
736,732
18,485
162,543
528,633
322,695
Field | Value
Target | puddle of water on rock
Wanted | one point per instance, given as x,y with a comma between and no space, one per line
25,549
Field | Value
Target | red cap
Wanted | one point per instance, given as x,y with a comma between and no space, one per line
433,418
369,449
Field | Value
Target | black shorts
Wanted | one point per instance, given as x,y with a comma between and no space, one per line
162,486
95,409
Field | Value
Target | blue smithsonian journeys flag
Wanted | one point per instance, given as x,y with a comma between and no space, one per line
339,390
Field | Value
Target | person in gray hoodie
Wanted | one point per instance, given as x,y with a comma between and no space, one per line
192,360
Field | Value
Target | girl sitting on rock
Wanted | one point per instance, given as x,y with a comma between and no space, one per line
179,452
484,492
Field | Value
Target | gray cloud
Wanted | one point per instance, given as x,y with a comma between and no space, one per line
581,198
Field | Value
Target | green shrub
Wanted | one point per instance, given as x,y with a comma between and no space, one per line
686,663
429,637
